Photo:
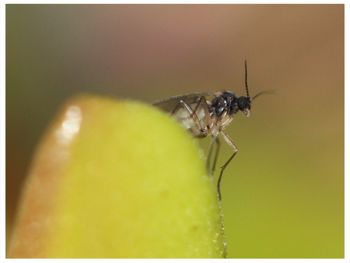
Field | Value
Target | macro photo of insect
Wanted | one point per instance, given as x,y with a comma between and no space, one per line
175,131
203,116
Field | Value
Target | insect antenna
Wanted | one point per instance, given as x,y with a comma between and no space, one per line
246,77
263,92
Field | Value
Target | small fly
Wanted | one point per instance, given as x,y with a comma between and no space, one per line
208,114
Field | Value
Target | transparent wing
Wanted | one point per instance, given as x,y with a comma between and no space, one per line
169,104
196,123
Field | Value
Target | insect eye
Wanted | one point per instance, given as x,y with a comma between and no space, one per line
243,103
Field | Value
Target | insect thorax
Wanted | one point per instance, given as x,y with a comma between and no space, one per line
224,103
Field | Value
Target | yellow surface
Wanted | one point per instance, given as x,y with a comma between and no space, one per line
134,185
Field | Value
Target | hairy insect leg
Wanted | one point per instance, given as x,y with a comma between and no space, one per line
215,141
230,142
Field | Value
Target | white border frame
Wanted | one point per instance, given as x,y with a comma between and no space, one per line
3,129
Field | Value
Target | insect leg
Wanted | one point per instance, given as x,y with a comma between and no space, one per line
202,125
230,142
210,151
218,144
208,121
216,141
192,114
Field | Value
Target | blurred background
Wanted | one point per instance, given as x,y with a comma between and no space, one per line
283,193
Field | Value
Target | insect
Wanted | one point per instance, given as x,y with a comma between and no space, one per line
208,114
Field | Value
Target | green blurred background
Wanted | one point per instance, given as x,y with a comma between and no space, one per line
283,193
